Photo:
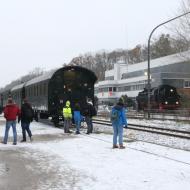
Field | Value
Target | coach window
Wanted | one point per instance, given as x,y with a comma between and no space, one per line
110,89
31,91
43,93
45,89
36,87
40,91
34,90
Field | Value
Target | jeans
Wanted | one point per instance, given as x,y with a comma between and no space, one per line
77,123
26,127
89,124
67,124
8,125
117,131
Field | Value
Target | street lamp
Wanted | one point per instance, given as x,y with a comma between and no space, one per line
148,71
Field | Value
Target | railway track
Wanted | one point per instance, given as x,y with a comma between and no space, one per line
176,116
150,129
130,139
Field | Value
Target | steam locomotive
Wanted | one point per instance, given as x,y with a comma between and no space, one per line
48,93
161,97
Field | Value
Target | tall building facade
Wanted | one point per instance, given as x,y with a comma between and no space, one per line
129,80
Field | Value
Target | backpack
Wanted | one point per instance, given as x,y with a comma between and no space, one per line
85,112
29,114
94,112
115,115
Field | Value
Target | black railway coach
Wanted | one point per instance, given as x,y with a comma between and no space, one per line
49,92
161,97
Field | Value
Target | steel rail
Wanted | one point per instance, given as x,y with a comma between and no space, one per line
155,130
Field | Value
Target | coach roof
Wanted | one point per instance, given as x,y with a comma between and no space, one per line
50,74
43,77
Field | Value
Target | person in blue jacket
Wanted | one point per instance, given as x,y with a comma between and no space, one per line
119,120
77,118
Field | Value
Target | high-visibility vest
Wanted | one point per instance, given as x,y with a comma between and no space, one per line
67,112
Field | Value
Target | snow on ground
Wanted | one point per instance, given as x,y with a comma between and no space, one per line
180,125
2,168
96,166
155,138
162,123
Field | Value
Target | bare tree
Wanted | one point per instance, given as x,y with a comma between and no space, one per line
32,74
181,28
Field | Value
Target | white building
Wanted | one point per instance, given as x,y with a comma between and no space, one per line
129,80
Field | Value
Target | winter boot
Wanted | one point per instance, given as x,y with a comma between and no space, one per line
115,146
121,146
31,139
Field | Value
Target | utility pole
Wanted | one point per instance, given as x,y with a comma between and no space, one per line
148,71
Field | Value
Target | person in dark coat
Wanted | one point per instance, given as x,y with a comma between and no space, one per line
11,111
26,118
118,123
89,111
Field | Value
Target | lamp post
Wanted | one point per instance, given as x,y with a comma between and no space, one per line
148,71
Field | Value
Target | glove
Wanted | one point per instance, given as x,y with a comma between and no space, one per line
125,126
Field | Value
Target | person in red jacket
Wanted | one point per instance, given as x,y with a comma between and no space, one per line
11,111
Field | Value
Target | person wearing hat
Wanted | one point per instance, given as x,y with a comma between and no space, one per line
67,114
119,120
11,111
88,112
26,117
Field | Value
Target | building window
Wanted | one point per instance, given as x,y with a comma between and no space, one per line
187,84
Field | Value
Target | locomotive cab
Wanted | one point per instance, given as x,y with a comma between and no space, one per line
162,97
168,97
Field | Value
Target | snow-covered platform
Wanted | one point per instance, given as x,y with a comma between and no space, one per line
57,161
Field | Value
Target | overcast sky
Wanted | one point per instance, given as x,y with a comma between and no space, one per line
48,33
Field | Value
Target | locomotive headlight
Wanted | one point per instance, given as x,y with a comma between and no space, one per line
171,90
177,103
166,102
